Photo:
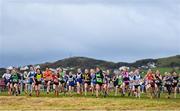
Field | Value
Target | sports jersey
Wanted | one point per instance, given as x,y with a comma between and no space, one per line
93,80
55,79
131,80
47,74
175,80
31,76
14,78
79,77
38,77
61,77
71,80
107,79
6,76
168,80
125,76
87,78
158,80
99,77
120,80
150,77
137,79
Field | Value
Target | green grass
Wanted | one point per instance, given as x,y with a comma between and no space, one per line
76,102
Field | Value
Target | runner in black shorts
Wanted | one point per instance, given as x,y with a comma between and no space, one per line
158,82
175,82
168,83
87,80
99,80
55,78
14,80
38,77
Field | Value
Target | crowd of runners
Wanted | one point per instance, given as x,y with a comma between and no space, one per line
95,82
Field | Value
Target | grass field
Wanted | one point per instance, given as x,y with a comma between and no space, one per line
86,103
76,102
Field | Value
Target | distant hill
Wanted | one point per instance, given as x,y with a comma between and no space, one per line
85,62
77,62
173,61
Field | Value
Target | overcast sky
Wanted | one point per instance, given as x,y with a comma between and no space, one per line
37,31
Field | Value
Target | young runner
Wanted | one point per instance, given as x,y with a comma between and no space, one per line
79,81
30,80
168,83
125,76
61,74
38,77
158,81
55,78
71,83
175,82
131,83
99,80
106,82
93,81
150,85
25,74
118,82
87,80
47,79
6,76
137,81
14,79
66,77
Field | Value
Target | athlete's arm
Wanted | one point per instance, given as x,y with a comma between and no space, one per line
3,75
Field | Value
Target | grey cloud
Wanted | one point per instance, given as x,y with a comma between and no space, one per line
38,31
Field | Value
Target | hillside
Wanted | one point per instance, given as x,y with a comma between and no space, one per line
77,62
85,62
169,61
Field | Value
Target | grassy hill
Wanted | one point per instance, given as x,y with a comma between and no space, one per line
77,62
173,61
85,62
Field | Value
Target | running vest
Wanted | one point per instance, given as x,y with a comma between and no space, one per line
62,74
150,76
169,81
131,78
87,77
175,79
99,78
71,79
158,80
15,78
79,76
31,74
120,80
38,77
125,76
6,76
137,78
92,78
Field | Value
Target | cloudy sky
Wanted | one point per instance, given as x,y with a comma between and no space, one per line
37,31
